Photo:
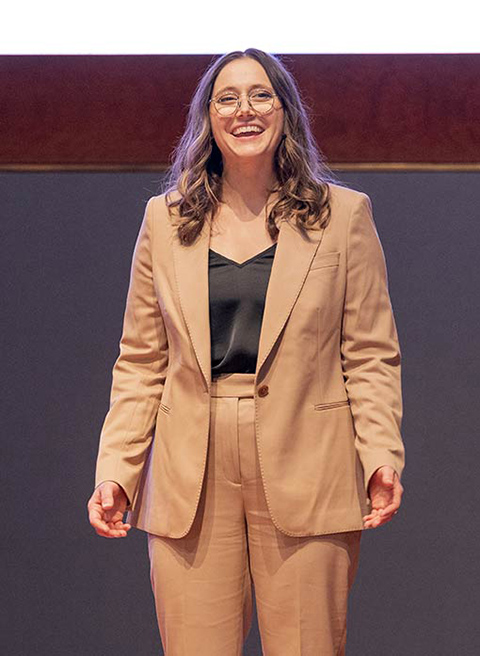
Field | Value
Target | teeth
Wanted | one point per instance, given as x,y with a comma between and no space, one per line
247,128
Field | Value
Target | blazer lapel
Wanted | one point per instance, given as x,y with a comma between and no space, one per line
293,256
191,269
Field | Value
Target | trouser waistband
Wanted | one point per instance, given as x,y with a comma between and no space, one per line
239,385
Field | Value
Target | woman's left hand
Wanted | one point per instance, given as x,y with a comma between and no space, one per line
385,492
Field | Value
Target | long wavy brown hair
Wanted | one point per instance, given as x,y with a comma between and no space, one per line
194,181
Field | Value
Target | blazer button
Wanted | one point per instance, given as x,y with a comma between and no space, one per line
263,390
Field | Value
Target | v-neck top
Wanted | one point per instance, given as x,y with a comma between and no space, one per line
237,294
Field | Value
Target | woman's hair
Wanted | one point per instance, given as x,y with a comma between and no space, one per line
196,171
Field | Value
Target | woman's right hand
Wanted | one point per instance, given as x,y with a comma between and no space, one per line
106,508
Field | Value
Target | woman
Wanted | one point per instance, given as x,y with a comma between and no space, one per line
260,351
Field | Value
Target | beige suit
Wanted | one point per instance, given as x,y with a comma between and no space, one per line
328,387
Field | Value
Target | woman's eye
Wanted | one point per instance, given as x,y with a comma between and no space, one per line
227,99
262,95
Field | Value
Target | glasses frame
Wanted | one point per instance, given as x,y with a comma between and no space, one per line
239,101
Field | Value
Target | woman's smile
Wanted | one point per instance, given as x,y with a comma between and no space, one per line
247,131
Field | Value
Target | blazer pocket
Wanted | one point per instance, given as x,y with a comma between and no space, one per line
333,404
322,260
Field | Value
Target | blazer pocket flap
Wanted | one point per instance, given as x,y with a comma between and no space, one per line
325,260
333,404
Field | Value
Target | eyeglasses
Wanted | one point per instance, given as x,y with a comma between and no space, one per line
229,102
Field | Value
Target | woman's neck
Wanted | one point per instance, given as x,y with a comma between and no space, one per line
247,190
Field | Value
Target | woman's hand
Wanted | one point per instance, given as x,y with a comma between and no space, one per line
106,508
385,492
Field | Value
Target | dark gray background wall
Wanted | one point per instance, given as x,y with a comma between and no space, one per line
67,241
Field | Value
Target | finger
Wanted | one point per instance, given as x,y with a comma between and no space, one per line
374,523
121,526
112,532
374,520
113,518
116,529
374,512
390,509
117,523
379,520
377,512
371,515
106,498
369,524
370,521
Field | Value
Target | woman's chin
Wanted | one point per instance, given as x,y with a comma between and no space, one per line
252,150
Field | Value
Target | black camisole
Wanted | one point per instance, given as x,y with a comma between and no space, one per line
237,300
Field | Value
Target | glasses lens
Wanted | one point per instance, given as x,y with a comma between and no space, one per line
227,104
262,100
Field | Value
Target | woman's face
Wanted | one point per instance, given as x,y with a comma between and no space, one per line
241,75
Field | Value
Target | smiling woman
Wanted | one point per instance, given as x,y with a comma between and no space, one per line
257,133
254,428
241,92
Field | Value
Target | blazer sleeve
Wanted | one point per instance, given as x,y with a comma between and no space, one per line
138,375
370,351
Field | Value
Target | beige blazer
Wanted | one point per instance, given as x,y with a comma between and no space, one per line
328,400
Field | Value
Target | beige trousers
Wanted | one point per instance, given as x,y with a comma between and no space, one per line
202,583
